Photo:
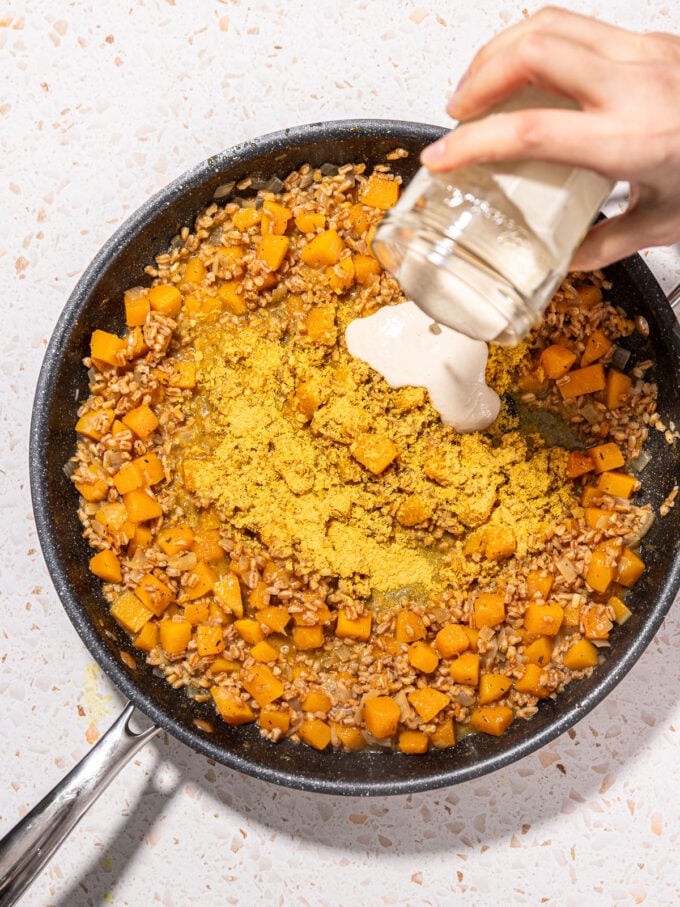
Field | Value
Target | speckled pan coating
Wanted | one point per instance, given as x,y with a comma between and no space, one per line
95,302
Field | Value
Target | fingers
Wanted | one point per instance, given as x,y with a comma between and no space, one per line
618,237
548,62
615,43
570,137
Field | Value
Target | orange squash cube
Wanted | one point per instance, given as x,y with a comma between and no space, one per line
263,685
581,655
276,618
531,682
141,507
166,299
618,389
174,635
306,638
451,640
197,612
353,627
209,640
374,452
465,669
350,737
428,702
274,719
106,348
539,652
596,346
491,719
310,221
556,360
630,568
381,716
579,463
231,293
324,250
147,638
379,191
621,611
316,733
175,540
272,250
544,620
588,380
203,578
489,609
618,484
320,325
137,307
413,742
606,457
227,591
155,594
277,217
106,566
365,269
422,657
249,630
245,218
232,709
316,701
493,687
539,582
142,421
409,627
96,423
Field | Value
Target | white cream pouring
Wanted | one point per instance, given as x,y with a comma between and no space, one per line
406,347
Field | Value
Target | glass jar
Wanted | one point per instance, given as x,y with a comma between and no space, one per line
482,249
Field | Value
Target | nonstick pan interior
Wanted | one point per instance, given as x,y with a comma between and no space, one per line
96,302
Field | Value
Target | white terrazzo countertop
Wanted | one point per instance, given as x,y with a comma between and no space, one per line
101,105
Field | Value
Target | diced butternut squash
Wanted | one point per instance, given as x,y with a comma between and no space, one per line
272,250
324,250
556,360
491,719
196,612
130,612
630,568
588,380
591,496
155,594
422,657
350,737
582,654
231,294
308,398
201,581
579,463
127,478
353,627
310,221
428,702
93,491
320,325
183,375
275,618
341,275
175,539
618,389
465,669
413,742
206,546
452,640
224,665
227,590
166,299
539,582
539,652
106,348
619,484
137,307
194,272
113,516
409,626
264,652
245,218
147,638
531,682
602,567
106,566
533,382
277,217
606,457
141,538
596,346
499,543
174,635
316,701
315,732
272,719
96,423
209,640
141,507
365,268
374,452
379,191
359,218
544,620
598,517
621,611
413,510
306,638
489,609
263,685
249,630
493,687
231,707
444,735
142,421
588,296
381,716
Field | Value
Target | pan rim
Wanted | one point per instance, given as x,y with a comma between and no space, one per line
47,531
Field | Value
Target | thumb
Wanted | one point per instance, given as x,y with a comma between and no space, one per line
614,239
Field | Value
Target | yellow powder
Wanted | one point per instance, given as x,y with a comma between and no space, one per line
290,478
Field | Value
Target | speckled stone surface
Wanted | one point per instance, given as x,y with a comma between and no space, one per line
103,104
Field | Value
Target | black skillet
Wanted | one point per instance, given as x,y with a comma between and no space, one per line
96,302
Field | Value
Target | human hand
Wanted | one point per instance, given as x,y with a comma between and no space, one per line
628,128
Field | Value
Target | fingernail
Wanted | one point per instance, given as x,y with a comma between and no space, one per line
432,154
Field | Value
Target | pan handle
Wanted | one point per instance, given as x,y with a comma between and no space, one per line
28,846
674,300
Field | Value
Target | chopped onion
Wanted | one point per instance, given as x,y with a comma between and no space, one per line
69,468
641,461
620,358
590,413
328,170
274,185
642,530
224,190
566,568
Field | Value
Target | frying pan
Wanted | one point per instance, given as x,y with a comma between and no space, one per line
62,384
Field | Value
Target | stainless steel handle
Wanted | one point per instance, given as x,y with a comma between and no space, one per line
674,299
28,846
